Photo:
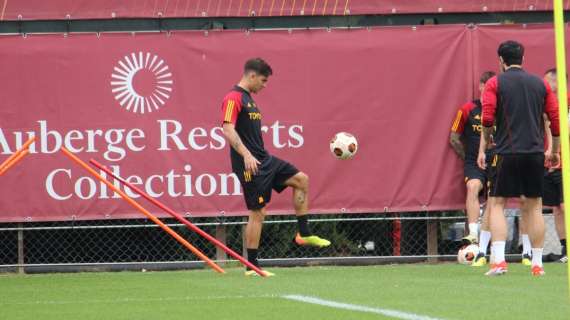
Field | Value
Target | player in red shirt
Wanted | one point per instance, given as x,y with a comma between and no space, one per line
259,172
553,179
465,138
515,101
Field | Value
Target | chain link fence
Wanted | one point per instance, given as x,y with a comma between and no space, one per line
140,244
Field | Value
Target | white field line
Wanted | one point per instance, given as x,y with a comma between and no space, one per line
353,307
136,300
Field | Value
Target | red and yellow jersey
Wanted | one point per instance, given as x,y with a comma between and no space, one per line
239,109
467,123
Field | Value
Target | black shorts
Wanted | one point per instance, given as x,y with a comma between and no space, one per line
472,171
272,174
552,195
518,175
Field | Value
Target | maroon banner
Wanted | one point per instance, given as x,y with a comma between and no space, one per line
149,106
106,9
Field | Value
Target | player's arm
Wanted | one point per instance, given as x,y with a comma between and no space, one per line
457,144
234,140
231,107
551,110
456,131
547,134
481,155
489,98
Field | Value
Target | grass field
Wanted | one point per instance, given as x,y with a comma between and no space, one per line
422,292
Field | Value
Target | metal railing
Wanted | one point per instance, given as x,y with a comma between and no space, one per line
139,244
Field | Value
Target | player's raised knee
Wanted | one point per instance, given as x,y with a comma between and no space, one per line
303,180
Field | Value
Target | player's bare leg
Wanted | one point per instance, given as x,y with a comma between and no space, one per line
252,237
485,219
498,224
472,207
253,228
525,239
532,213
484,238
561,230
300,184
559,221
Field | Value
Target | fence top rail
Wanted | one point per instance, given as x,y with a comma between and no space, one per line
110,9
233,223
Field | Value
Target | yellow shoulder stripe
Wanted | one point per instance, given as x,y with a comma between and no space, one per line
457,121
229,110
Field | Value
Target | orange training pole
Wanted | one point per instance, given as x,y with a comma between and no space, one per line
14,161
144,211
15,154
180,218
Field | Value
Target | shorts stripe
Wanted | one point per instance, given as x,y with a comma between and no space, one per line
247,176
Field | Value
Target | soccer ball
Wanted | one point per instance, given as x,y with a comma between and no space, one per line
467,253
343,145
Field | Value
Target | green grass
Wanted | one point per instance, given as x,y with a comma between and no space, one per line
445,291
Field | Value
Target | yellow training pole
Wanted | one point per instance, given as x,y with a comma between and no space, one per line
563,107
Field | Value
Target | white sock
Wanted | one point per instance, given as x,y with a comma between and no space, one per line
474,229
484,239
499,248
526,244
492,255
537,257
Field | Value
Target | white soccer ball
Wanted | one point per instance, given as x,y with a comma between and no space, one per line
343,145
467,254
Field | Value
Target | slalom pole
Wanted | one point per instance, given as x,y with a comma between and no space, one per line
144,211
14,161
563,112
16,156
180,218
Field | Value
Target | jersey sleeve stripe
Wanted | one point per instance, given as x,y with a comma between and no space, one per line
229,110
226,110
456,125
457,120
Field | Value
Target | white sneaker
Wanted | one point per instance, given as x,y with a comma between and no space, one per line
497,269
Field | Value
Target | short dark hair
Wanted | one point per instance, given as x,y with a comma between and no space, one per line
258,66
551,70
512,52
485,76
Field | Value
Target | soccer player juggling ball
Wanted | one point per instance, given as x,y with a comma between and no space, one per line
259,172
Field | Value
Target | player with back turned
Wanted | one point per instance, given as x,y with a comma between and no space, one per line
515,101
259,172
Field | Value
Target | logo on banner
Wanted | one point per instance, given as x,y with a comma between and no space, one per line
141,82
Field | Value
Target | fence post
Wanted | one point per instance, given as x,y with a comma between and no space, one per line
397,236
432,240
21,248
243,241
221,235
